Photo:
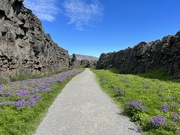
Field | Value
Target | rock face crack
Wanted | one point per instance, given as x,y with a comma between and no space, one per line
24,46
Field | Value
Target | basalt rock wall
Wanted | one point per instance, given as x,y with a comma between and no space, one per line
163,53
85,63
24,47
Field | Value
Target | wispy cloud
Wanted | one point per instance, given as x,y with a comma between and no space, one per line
83,13
44,9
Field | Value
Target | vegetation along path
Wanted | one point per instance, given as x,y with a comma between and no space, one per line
83,109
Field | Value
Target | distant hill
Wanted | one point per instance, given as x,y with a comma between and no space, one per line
85,57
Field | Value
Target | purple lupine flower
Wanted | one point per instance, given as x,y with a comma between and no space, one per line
22,92
158,121
20,103
9,93
44,88
143,107
135,105
59,80
24,87
164,108
175,116
33,100
49,80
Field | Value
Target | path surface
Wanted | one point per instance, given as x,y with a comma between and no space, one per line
83,109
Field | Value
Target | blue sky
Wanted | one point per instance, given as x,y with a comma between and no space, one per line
93,27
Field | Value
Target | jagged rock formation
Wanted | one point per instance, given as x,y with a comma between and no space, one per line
24,47
84,57
77,60
88,63
73,61
163,53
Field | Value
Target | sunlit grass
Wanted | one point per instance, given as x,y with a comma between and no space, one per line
145,98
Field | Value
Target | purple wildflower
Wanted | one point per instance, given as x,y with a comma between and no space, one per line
33,100
22,92
9,93
44,88
164,108
49,80
158,121
20,103
24,87
175,116
135,105
59,80
29,90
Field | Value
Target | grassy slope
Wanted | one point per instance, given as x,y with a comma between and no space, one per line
152,93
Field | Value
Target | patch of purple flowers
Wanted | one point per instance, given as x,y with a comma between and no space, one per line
33,100
158,121
27,93
20,103
136,105
175,116
22,92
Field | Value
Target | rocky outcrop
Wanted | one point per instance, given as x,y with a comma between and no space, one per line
88,63
73,61
85,57
76,60
163,53
24,47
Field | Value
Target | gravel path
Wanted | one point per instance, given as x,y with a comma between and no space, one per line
83,109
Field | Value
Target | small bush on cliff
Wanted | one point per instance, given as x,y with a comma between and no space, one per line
151,101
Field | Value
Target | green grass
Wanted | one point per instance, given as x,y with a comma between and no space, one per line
152,90
24,121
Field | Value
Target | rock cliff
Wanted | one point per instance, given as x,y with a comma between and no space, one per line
24,47
77,60
85,57
163,53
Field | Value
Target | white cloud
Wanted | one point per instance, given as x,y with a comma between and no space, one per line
44,9
83,13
